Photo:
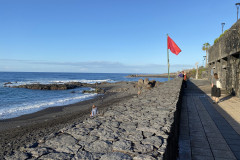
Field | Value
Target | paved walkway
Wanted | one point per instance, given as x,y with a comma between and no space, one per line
207,130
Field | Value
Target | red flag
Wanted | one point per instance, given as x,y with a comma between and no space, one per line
172,46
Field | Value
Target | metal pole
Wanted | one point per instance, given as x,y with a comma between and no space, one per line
206,58
237,12
237,5
168,59
222,26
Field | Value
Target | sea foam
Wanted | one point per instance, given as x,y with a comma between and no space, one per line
16,110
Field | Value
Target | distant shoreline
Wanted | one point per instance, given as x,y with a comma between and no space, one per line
164,75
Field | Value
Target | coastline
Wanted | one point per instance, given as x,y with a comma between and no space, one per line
20,131
129,126
164,75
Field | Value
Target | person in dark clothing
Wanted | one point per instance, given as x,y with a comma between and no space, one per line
185,80
181,74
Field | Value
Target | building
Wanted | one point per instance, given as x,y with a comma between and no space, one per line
224,59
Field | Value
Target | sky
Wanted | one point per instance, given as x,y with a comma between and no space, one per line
108,36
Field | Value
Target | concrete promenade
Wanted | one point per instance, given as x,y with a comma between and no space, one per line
208,131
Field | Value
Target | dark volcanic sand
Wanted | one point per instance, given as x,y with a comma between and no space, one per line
20,131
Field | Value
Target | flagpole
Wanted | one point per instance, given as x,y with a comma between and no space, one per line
168,58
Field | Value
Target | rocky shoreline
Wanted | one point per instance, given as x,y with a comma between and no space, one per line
165,75
134,128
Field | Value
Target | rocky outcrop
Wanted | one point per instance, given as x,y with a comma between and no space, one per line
146,83
138,128
64,86
96,90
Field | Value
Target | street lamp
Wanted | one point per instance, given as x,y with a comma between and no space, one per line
237,5
204,58
222,26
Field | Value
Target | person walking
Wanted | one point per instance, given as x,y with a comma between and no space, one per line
216,88
185,79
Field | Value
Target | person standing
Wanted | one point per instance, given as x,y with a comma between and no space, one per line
216,89
185,79
181,74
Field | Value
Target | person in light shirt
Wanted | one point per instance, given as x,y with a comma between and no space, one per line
94,111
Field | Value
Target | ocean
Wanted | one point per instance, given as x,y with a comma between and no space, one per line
15,102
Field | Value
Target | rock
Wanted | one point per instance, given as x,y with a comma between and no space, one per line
37,152
143,157
156,141
143,148
134,136
152,83
128,126
8,83
147,134
78,133
99,147
140,82
146,81
83,155
107,134
122,146
97,90
116,156
69,85
89,138
63,143
56,156
17,155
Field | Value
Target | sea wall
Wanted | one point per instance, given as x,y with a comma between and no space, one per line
143,127
224,59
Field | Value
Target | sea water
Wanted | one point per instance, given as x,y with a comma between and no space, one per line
15,102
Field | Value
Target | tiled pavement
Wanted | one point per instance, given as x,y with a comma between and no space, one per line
204,133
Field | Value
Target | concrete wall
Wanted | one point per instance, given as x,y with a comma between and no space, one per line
224,59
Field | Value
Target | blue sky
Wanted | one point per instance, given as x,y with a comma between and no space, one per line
108,36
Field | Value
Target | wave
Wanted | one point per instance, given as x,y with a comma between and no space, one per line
83,81
54,81
28,108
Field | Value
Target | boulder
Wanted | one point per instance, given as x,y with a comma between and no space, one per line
122,146
143,157
17,155
56,156
99,147
97,90
83,155
8,83
63,143
146,81
116,156
143,148
140,82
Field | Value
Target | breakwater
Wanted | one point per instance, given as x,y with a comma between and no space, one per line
143,127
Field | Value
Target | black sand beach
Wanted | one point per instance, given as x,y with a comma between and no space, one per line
135,121
17,132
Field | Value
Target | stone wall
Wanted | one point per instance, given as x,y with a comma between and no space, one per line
224,59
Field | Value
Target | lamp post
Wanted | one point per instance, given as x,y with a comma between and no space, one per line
237,5
222,26
204,58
